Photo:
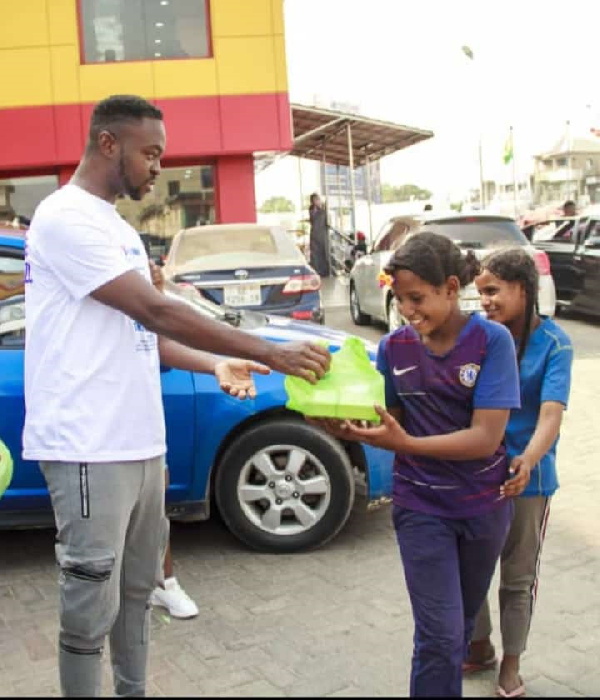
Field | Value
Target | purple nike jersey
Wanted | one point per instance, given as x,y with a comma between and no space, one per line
438,395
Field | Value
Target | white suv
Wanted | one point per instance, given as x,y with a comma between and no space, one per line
480,233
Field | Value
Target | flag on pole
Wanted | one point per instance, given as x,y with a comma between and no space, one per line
508,149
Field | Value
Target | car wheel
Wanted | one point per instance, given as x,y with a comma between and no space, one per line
284,486
394,317
358,317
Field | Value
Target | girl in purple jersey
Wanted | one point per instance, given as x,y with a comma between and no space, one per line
508,285
451,380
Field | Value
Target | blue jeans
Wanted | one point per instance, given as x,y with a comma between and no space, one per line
448,565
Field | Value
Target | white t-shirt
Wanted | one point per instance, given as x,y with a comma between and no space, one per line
92,374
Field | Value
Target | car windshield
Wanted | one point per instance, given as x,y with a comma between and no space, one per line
475,233
214,241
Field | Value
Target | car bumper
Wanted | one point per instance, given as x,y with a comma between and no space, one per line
547,296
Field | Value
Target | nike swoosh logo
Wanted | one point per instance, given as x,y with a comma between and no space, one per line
400,372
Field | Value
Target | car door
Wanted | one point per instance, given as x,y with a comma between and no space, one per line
180,419
27,490
561,251
382,252
587,263
363,274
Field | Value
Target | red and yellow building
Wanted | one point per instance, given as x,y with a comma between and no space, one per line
219,107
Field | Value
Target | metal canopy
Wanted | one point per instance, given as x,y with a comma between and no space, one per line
322,134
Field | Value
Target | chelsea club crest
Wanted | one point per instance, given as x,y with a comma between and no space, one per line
468,374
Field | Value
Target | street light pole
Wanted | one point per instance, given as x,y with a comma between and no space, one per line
468,52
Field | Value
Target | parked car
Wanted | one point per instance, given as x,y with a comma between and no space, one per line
370,299
247,266
558,227
280,484
575,265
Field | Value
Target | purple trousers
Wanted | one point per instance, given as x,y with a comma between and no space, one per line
448,565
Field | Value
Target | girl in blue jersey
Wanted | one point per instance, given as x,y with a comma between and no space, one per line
508,286
450,380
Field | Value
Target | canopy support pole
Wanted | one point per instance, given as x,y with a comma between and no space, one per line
340,219
326,191
369,193
351,174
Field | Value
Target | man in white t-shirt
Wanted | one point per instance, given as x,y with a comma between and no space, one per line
97,332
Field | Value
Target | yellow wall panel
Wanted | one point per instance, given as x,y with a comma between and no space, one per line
241,18
280,64
278,20
185,78
62,22
65,74
101,80
26,78
245,65
23,24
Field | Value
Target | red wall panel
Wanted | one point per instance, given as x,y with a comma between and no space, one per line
234,190
71,136
249,123
197,127
193,126
27,138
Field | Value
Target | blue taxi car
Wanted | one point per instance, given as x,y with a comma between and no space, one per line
280,484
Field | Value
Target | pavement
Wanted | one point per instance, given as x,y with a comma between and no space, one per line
336,621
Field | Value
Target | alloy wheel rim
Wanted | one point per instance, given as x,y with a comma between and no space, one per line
284,490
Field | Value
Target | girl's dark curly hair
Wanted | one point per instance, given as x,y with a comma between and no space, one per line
516,265
434,258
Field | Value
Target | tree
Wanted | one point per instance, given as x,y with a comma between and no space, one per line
403,193
277,205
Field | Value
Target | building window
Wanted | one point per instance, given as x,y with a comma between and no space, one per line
182,197
19,197
562,162
139,30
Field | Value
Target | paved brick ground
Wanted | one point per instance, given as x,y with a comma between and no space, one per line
333,622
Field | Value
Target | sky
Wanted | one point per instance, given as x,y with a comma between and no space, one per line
535,67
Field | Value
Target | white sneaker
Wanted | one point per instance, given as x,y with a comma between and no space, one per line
174,599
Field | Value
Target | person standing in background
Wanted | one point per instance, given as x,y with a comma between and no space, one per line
319,236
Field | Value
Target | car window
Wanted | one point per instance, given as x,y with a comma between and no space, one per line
475,233
12,273
12,322
592,232
397,234
383,237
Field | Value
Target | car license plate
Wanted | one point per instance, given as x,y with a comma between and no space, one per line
242,295
470,305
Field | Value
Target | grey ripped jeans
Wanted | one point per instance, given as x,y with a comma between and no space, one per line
112,532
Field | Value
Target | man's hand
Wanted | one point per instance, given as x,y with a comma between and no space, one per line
301,359
235,378
520,467
157,276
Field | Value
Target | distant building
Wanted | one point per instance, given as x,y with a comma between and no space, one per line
570,170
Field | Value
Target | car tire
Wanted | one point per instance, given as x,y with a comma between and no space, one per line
358,317
265,510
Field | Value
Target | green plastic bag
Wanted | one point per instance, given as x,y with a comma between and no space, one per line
6,468
347,391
